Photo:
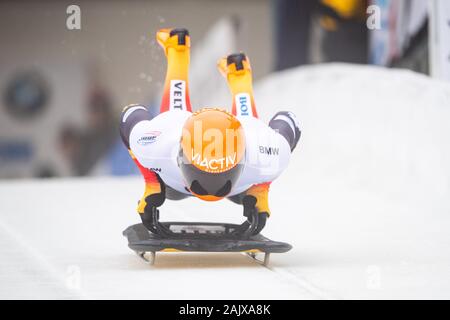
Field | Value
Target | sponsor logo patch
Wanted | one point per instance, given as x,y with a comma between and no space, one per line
214,165
243,104
269,150
148,138
178,95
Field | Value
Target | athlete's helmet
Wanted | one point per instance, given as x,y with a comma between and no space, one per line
212,152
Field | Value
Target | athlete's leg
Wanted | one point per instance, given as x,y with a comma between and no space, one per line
176,45
238,73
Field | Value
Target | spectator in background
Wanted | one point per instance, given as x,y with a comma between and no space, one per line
312,31
292,25
83,148
69,144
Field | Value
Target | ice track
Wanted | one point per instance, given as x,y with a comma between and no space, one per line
365,203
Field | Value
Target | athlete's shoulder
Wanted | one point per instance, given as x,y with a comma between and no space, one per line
163,129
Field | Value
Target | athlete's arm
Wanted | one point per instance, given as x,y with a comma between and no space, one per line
176,45
286,124
154,193
271,147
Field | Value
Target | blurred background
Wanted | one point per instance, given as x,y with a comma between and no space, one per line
68,68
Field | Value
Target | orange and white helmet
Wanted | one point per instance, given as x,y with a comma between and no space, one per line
212,153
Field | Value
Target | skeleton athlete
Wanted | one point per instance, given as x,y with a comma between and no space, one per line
210,154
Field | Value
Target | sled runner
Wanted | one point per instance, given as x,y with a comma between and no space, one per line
199,237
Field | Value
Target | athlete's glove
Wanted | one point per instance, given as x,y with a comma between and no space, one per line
255,218
154,196
256,209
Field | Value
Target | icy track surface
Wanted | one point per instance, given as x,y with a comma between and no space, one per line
365,203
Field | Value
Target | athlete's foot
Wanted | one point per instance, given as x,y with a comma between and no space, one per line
177,38
234,64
